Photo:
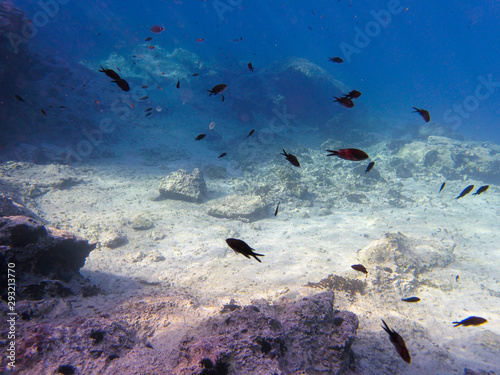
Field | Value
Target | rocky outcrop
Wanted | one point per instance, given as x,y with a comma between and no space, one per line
46,260
183,186
307,336
403,263
148,335
453,159
242,207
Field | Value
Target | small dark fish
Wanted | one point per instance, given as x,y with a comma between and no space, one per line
291,158
482,189
61,106
424,113
337,60
144,98
352,154
398,343
195,74
218,89
359,268
18,98
411,299
345,101
148,114
145,86
178,83
157,29
456,278
200,137
222,155
470,321
251,132
110,73
241,247
148,109
442,187
148,39
370,166
354,94
250,67
43,112
277,207
121,83
466,191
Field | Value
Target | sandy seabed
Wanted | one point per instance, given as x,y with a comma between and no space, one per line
185,252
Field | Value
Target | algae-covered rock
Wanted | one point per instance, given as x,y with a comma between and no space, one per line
244,207
183,186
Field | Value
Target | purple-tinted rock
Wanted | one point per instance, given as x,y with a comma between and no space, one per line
306,337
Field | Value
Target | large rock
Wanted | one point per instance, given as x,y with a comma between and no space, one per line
242,207
303,337
46,260
404,263
453,159
183,186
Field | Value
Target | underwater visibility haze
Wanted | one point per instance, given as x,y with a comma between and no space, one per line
250,187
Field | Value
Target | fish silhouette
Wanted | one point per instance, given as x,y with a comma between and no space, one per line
398,343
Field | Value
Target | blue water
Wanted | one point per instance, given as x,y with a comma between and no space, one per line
427,54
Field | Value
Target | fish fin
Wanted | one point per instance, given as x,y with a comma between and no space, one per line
211,92
222,97
332,153
416,109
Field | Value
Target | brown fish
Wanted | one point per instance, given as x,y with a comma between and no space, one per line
242,247
199,137
291,158
250,67
424,113
251,132
222,155
337,60
18,98
352,154
218,89
43,112
470,321
360,268
354,94
345,101
398,343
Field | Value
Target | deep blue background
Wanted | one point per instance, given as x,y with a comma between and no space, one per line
431,54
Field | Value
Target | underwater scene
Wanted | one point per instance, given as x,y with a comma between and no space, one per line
195,187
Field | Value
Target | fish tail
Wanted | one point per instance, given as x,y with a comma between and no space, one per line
386,328
456,324
211,92
255,256
332,152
